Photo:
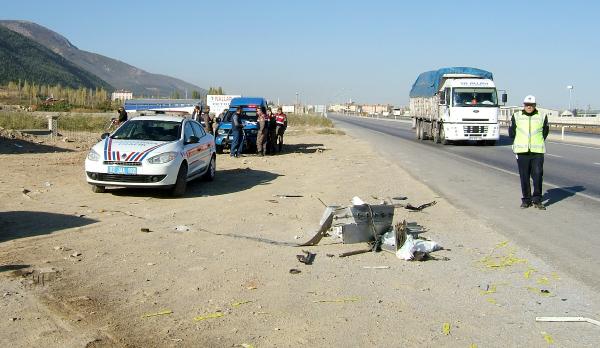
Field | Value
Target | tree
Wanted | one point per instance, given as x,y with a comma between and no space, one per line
175,95
216,91
195,94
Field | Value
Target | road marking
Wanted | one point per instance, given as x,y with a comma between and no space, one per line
574,145
551,155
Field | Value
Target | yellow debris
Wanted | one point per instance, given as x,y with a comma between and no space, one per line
528,273
446,328
165,312
501,261
555,276
548,338
543,280
491,300
237,304
490,290
502,244
473,345
209,316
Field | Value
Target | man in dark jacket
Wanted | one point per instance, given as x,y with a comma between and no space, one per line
236,132
529,130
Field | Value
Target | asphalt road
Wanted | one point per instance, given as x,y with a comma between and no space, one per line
484,181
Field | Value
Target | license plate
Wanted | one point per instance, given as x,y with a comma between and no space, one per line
122,170
470,138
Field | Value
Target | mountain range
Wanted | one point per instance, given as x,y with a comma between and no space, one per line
118,74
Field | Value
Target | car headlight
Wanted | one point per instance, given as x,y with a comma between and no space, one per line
93,155
221,131
164,157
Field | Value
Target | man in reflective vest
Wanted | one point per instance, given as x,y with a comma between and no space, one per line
529,130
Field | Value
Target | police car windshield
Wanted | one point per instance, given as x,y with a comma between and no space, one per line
149,130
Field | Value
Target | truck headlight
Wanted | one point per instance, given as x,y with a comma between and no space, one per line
93,155
164,157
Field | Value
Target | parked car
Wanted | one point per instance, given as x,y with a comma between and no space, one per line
249,120
160,151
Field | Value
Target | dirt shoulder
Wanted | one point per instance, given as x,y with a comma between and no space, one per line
76,269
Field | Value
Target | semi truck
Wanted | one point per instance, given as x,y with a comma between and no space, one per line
456,104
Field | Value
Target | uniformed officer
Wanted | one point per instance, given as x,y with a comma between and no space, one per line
529,130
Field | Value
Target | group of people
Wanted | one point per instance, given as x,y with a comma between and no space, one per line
202,115
271,128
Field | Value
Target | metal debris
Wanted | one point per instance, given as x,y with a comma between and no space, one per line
420,207
568,319
307,258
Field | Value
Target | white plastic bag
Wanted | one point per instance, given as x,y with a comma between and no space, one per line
407,251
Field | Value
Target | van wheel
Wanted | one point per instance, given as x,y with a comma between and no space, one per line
181,183
211,171
98,189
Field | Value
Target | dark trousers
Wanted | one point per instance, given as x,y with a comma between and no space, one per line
236,142
531,166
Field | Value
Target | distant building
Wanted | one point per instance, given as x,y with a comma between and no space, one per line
372,109
121,95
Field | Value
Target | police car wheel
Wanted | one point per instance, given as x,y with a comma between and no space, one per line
181,183
211,170
98,189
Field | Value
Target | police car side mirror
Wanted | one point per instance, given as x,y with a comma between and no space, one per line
192,140
104,135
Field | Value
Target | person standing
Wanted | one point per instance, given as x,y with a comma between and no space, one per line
272,132
122,116
263,124
207,120
196,113
218,120
529,131
236,132
281,123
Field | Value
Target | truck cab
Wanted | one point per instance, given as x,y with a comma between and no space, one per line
468,109
223,135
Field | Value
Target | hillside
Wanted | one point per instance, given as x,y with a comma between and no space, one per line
24,59
119,74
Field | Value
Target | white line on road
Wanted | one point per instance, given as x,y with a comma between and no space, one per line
551,155
574,145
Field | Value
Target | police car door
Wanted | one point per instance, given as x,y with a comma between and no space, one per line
190,148
203,145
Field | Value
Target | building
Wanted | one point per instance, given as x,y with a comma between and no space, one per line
121,95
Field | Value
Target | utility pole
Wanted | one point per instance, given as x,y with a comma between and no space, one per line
570,88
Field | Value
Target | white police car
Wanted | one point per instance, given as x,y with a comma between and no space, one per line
152,151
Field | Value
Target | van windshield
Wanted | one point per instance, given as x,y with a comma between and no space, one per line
247,116
475,97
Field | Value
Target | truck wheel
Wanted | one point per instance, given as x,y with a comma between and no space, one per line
211,170
181,183
443,139
98,189
436,133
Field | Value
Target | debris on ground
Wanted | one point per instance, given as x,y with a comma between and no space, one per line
307,258
339,300
295,271
420,207
446,328
182,228
209,316
145,229
568,319
165,312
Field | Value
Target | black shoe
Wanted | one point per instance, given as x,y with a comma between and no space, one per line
540,206
525,205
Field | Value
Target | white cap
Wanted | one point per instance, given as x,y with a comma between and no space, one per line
529,100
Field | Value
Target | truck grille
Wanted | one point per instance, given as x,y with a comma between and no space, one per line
125,178
475,130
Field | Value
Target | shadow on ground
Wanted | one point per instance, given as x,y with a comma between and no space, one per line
226,181
21,224
19,146
556,195
303,148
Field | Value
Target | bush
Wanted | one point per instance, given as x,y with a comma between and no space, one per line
311,120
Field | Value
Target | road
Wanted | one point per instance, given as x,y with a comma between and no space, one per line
484,182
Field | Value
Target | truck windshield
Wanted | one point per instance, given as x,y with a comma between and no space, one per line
471,97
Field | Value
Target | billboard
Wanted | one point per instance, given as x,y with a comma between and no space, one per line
219,102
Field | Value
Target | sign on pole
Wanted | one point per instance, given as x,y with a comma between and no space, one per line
218,103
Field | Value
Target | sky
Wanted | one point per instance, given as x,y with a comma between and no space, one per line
325,52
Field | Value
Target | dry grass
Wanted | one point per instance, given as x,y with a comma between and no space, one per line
68,122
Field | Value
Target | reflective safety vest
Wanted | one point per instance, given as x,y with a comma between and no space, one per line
280,119
529,135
